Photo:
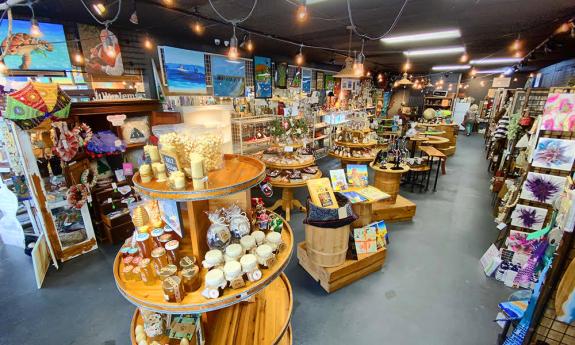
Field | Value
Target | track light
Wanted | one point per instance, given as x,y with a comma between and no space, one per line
301,13
233,51
299,57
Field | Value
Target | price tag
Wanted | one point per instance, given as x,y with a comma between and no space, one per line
288,149
89,199
501,226
116,120
118,143
114,185
109,200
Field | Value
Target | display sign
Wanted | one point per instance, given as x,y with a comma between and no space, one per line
501,82
170,161
116,120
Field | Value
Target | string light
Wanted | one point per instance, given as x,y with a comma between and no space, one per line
233,52
198,28
99,8
406,66
464,58
563,28
34,27
301,13
250,45
148,43
299,57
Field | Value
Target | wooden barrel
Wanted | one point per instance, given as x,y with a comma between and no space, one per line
388,183
326,247
363,212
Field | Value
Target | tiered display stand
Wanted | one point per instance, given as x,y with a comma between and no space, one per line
352,146
396,208
258,313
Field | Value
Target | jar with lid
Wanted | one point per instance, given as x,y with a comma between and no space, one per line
215,284
124,251
274,240
127,272
187,262
154,330
191,278
250,267
128,260
218,235
136,273
265,256
144,243
156,233
134,251
165,238
248,242
168,271
147,272
233,252
173,289
159,259
136,261
173,248
259,236
168,230
213,259
234,274
239,224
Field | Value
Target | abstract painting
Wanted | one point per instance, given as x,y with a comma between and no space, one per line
229,77
46,53
263,77
542,187
102,54
185,70
281,72
528,217
306,80
554,154
559,112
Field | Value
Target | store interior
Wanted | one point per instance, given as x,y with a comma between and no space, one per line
179,172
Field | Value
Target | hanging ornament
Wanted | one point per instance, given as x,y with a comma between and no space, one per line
67,144
77,196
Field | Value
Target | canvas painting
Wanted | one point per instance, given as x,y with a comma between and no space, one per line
229,77
554,154
46,53
319,81
542,187
365,239
357,175
559,112
329,83
296,79
528,217
102,54
281,72
185,70
306,80
263,77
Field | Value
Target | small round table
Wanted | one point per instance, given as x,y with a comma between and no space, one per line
388,179
287,201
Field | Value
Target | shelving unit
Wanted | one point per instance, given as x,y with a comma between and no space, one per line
320,135
250,135
535,101
257,313
435,102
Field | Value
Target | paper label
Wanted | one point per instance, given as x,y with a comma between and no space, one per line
288,149
237,283
118,143
116,120
114,185
501,226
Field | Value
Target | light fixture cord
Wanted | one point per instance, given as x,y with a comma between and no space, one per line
353,27
234,21
106,23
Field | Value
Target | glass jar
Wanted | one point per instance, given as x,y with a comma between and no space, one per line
259,236
134,251
274,240
173,248
124,251
191,278
215,284
136,273
136,260
159,259
147,273
128,260
265,255
218,236
165,238
144,243
239,225
168,271
187,262
250,267
213,259
234,275
173,289
168,230
233,252
248,242
156,233
127,272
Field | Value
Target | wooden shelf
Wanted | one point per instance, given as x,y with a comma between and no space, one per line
239,173
266,320
289,166
353,159
151,296
135,146
295,184
388,166
356,145
321,137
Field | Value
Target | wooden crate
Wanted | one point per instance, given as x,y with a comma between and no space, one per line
334,278
403,210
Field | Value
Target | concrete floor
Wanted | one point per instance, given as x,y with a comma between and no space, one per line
431,289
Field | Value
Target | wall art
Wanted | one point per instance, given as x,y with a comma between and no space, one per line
185,70
229,77
319,80
281,75
554,154
542,187
263,77
528,217
102,54
559,112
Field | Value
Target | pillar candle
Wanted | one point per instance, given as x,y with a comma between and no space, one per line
146,173
152,152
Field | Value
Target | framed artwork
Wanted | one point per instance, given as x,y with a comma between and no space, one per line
101,49
281,74
542,187
185,70
306,80
559,112
329,83
263,77
229,77
296,80
528,217
319,80
46,53
554,154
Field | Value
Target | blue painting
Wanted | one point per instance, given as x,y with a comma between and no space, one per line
49,52
228,77
306,80
263,76
185,70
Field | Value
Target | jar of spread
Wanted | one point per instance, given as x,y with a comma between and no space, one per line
248,242
233,252
259,236
265,255
168,271
213,259
234,274
191,278
173,247
127,272
159,259
250,267
147,272
144,243
215,284
187,262
274,240
124,251
165,238
134,251
136,273
156,233
136,260
173,289
128,260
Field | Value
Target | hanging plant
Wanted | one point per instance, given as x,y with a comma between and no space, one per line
514,127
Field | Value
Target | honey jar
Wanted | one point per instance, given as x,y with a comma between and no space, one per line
156,233
136,272
136,260
144,243
173,289
233,252
265,255
147,273
213,259
173,248
191,278
165,238
159,259
127,272
128,260
250,267
187,262
274,240
168,271
134,251
168,230
234,275
124,251
248,242
215,284
259,236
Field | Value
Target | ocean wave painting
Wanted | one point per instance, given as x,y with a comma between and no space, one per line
306,81
185,70
46,53
228,77
263,76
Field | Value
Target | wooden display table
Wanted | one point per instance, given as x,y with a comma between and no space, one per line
363,209
435,141
396,208
351,160
415,141
451,131
287,201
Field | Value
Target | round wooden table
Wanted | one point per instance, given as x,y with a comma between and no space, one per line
287,201
388,179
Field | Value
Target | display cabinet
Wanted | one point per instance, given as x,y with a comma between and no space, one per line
250,135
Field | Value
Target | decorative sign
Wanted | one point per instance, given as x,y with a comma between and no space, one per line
501,82
116,120
170,161
112,94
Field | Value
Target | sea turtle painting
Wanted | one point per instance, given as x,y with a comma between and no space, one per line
24,45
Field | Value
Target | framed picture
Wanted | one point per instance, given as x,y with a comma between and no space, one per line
542,187
554,154
296,80
329,83
228,76
100,59
528,217
281,74
319,80
184,70
306,80
262,77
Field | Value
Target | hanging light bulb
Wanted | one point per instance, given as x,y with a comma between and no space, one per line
406,66
250,45
360,60
34,27
516,44
301,13
168,2
464,58
148,43
368,74
563,28
78,58
299,59
99,8
233,51
198,28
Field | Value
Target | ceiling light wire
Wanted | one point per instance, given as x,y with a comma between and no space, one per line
234,21
354,27
108,22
